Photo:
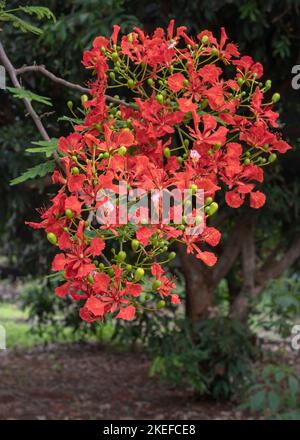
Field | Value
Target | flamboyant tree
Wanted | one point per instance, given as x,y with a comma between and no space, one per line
195,119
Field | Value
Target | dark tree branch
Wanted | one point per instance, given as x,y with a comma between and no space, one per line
35,117
274,268
230,252
42,69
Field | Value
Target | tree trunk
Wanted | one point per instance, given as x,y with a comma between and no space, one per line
199,289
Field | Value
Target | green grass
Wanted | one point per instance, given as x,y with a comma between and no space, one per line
17,329
19,333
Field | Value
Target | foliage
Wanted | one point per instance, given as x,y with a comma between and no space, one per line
279,307
40,170
275,394
52,320
40,12
26,94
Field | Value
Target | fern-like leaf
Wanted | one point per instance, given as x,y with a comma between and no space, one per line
47,147
39,170
39,11
26,94
18,23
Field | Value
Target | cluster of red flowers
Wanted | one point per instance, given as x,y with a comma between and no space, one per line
194,118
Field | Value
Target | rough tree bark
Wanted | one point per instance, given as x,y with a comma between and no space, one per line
202,281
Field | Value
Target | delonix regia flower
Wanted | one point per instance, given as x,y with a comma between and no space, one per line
196,117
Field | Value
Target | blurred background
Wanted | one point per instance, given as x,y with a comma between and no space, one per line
217,356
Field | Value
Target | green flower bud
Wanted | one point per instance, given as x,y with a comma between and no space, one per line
179,160
208,200
128,267
52,238
135,244
181,227
115,57
194,188
106,155
90,279
69,213
150,82
101,266
130,83
122,151
171,256
204,39
70,105
156,284
121,256
75,171
112,75
139,273
214,51
130,38
160,98
84,98
185,83
240,81
272,157
268,84
167,152
275,97
213,208
111,272
247,161
96,263
161,304
74,158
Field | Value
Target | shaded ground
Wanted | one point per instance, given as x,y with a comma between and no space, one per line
92,382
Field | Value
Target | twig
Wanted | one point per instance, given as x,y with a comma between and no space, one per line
35,117
42,69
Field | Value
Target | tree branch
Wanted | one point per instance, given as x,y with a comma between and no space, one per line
35,117
42,69
274,268
230,252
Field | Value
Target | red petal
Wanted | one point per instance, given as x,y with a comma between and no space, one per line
257,199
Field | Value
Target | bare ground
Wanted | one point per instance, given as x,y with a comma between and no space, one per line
93,382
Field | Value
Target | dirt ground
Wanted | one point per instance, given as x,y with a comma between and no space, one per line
92,382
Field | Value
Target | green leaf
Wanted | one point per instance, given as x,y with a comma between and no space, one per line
26,94
19,23
38,171
293,384
274,401
40,11
257,401
47,147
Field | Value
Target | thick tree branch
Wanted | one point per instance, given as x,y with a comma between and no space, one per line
240,305
42,69
35,117
230,252
274,268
